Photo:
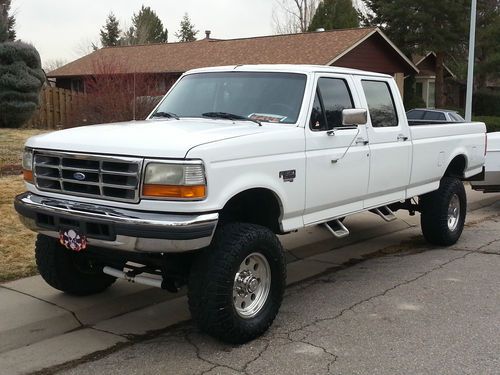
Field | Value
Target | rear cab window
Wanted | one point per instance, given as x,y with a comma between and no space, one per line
434,116
381,105
415,114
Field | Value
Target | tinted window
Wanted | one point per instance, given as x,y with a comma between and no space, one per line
415,115
271,97
434,116
318,121
380,103
334,96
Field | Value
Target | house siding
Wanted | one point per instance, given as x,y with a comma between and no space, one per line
374,54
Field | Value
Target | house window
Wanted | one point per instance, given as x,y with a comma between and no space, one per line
431,95
419,90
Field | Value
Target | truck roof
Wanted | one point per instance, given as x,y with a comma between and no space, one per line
288,68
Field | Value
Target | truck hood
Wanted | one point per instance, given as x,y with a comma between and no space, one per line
150,138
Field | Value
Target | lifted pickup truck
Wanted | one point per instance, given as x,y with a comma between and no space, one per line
231,157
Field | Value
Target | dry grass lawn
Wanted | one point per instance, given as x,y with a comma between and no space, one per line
12,144
17,257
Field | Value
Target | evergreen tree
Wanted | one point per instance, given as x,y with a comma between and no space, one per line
187,32
334,14
21,79
419,26
7,22
146,28
487,41
110,33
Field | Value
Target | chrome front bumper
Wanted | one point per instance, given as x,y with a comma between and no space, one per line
117,228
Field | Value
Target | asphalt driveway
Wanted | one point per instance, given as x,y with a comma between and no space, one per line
408,309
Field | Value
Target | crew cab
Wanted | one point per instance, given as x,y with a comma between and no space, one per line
232,156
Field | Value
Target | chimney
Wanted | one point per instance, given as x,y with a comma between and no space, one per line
207,33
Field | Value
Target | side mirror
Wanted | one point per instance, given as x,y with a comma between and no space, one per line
354,116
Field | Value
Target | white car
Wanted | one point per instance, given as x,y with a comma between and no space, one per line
491,181
231,157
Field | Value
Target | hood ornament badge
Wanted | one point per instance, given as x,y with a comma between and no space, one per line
79,176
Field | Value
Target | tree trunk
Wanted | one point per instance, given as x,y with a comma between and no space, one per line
440,99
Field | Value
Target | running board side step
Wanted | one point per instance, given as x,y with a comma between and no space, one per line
385,213
336,228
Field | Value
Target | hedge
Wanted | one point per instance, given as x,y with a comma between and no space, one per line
492,122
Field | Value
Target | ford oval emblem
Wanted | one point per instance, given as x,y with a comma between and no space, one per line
79,176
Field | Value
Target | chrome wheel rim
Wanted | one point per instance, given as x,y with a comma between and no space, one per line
252,284
453,212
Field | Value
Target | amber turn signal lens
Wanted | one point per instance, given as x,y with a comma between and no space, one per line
27,175
172,191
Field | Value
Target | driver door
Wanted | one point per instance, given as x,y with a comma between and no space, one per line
338,162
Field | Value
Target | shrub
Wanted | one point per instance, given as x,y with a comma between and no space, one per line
492,122
21,79
486,103
113,96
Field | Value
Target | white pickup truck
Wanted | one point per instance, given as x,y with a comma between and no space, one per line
232,156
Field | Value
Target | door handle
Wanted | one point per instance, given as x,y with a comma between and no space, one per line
402,138
361,141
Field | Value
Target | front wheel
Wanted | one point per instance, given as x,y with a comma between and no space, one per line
236,285
68,271
443,212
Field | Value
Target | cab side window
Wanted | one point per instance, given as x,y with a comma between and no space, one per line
380,103
332,97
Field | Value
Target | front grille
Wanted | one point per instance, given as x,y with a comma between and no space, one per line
95,176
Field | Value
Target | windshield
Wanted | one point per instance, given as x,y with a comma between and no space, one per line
266,97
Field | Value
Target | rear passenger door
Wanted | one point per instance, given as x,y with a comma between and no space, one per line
390,144
337,163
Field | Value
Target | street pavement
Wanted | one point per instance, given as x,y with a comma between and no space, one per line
409,308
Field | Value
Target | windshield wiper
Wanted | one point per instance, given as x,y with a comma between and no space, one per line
229,116
165,114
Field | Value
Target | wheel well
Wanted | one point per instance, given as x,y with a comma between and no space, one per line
257,206
456,167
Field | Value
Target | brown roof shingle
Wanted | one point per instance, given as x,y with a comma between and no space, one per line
306,48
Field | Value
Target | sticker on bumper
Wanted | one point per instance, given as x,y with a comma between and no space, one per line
73,240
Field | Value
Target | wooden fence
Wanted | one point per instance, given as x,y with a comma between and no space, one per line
56,106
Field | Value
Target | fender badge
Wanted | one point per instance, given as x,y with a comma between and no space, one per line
288,176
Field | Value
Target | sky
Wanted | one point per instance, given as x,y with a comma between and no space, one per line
65,29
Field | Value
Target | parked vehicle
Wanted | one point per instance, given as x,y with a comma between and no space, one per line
231,157
491,182
424,116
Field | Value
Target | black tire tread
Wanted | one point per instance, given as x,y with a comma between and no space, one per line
209,279
433,219
56,266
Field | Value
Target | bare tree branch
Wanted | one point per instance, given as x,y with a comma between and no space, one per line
293,16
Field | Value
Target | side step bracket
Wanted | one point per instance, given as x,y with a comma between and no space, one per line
336,228
385,213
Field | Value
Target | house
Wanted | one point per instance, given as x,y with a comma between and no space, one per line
425,83
360,48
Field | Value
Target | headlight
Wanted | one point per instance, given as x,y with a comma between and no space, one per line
177,181
28,165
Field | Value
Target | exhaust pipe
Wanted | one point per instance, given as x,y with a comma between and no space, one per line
149,281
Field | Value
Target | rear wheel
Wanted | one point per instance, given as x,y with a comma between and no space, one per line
68,271
443,212
236,286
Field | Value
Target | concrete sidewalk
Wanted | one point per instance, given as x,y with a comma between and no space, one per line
52,328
